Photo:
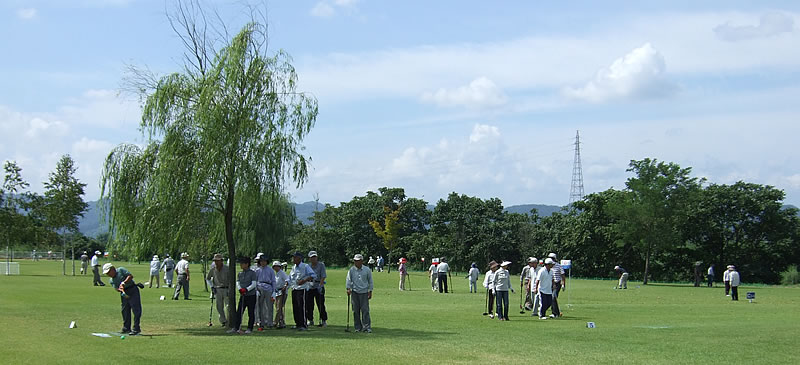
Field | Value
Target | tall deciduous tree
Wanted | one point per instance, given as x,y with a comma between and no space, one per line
388,231
13,186
64,202
225,134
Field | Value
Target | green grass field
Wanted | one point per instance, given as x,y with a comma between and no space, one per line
652,324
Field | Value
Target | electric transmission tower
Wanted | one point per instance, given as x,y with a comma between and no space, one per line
576,191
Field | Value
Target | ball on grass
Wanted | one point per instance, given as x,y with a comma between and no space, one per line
122,337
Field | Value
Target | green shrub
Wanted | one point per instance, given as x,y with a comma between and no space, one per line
790,276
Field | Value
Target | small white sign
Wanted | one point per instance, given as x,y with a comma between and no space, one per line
161,298
590,325
73,325
566,264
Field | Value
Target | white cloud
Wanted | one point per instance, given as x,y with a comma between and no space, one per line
770,24
27,13
482,131
323,10
481,92
329,8
639,74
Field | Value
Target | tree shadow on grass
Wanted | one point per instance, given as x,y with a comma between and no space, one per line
329,332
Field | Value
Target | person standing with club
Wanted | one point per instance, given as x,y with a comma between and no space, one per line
96,269
544,287
217,279
246,284
529,288
300,280
84,262
710,275
623,277
488,283
442,270
558,283
528,273
182,268
401,267
359,288
279,296
264,291
316,292
122,281
523,277
155,266
726,278
433,274
473,278
169,270
735,281
502,284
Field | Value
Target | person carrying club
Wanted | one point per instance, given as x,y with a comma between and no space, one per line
84,262
182,268
502,284
535,300
558,283
623,277
526,282
735,281
155,266
122,281
442,271
544,287
359,288
726,278
217,279
300,280
473,278
168,265
96,269
279,295
316,292
488,283
264,291
433,274
246,284
401,268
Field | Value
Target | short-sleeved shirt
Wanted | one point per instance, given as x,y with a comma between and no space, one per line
219,278
558,272
95,261
321,273
169,263
281,278
545,279
182,267
84,258
246,278
443,268
122,273
432,269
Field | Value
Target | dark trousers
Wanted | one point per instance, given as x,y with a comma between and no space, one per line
556,291
443,282
727,287
299,308
547,301
502,304
491,302
182,284
131,304
710,281
249,302
318,296
734,293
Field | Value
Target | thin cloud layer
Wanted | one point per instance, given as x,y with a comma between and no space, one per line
27,13
639,74
480,93
770,24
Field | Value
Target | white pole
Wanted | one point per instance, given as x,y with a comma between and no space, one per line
570,286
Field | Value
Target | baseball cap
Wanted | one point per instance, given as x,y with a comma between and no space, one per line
532,259
107,267
549,261
312,253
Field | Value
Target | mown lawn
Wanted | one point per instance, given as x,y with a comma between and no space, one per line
647,324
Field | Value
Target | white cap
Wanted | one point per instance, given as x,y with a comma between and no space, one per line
184,255
312,253
505,263
358,257
107,267
552,255
616,267
549,261
155,257
97,253
276,263
260,256
532,259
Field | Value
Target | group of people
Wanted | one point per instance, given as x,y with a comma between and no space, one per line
542,281
439,273
376,263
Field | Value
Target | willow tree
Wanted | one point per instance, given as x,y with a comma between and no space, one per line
222,135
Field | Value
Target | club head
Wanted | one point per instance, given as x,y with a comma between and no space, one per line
485,314
521,312
210,324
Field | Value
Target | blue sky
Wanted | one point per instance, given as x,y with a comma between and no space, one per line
482,98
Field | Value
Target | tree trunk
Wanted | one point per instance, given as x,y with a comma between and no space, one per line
205,272
72,245
389,267
228,213
647,263
63,256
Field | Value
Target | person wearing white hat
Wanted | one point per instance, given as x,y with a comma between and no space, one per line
726,278
316,292
280,294
155,265
371,264
217,280
168,265
96,269
558,282
122,281
524,281
734,278
544,287
531,299
623,277
472,276
502,284
359,288
182,268
433,274
265,289
84,263
488,283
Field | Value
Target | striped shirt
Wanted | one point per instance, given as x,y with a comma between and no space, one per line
558,272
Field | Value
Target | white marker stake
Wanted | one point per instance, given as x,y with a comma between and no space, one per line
162,298
73,325
590,325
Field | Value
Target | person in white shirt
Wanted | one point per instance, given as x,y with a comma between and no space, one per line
442,271
155,265
544,287
473,278
710,276
279,297
726,278
96,269
502,284
433,275
168,265
300,280
182,268
533,263
488,283
558,283
735,281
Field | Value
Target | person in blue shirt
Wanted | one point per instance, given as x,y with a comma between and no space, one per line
122,281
